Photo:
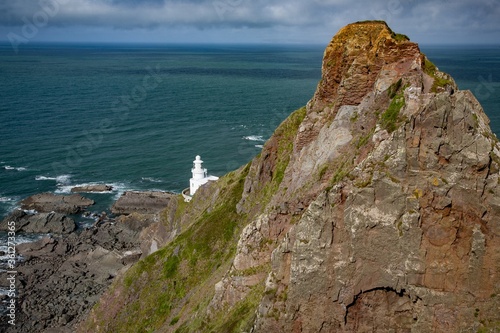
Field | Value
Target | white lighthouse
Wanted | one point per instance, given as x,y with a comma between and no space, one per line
200,177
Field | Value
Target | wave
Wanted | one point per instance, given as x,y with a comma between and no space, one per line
254,138
259,146
152,180
238,127
118,188
10,168
21,238
65,188
9,203
62,179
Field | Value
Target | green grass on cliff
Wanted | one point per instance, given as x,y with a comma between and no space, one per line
431,70
284,137
286,134
156,289
389,118
171,289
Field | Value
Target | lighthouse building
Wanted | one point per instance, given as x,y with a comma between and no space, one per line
199,176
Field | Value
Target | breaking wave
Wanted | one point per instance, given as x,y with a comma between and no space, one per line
254,138
10,168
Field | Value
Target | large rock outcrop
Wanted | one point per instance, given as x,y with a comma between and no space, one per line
60,278
376,208
50,202
148,202
44,223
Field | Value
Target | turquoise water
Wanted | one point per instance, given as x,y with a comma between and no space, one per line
136,116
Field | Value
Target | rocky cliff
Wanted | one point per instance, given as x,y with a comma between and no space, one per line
375,208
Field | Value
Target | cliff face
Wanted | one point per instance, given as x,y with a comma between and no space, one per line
374,208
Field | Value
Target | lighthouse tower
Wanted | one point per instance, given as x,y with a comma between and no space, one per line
200,176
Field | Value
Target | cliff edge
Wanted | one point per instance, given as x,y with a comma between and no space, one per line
375,208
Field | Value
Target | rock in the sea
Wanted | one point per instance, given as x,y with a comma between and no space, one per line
52,222
141,202
92,188
50,202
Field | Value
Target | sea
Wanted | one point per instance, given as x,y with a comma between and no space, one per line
135,116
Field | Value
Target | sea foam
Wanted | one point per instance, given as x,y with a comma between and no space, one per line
10,168
254,138
152,180
62,179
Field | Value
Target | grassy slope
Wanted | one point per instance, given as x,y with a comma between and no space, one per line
170,290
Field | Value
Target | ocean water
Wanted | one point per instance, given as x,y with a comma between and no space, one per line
135,116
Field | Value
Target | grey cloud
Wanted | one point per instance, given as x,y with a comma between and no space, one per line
407,16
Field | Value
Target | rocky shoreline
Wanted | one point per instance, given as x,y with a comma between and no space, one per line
62,275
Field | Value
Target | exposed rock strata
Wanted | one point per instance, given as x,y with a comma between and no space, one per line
148,202
60,279
39,223
92,188
374,209
49,202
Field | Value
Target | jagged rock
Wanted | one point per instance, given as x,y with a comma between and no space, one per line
39,223
49,202
61,278
148,202
92,188
374,209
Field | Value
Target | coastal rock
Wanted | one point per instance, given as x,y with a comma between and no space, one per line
50,202
373,209
92,188
148,202
39,223
61,278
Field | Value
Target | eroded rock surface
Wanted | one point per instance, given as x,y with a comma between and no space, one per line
50,202
39,223
92,188
148,202
60,278
374,209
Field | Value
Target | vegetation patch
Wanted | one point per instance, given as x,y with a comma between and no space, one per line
239,318
431,70
284,136
242,315
389,118
163,281
343,170
400,37
394,88
322,171
363,139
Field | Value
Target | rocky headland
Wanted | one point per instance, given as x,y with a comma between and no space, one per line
374,208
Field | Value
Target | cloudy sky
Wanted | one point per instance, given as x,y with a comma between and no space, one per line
243,21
